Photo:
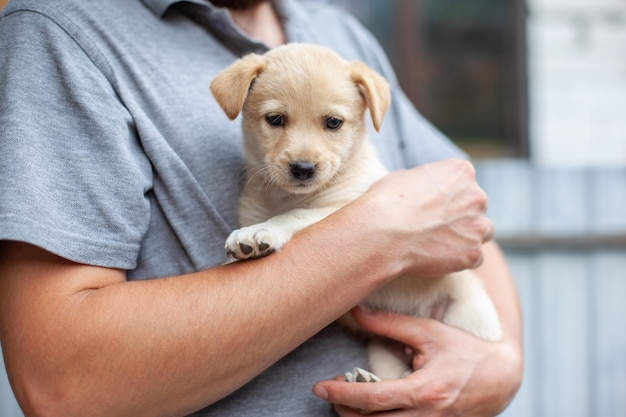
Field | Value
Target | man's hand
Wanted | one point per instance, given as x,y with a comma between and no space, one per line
432,217
456,374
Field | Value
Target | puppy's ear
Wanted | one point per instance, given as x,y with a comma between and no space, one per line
230,87
374,88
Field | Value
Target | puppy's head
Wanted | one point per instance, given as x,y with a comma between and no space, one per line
303,112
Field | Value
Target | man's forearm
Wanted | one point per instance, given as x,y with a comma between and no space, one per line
500,284
85,342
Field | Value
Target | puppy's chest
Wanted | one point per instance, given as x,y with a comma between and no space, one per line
282,204
256,206
259,206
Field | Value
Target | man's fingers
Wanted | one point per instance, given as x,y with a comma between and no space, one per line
410,330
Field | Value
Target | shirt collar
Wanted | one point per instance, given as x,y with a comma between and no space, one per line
290,12
159,7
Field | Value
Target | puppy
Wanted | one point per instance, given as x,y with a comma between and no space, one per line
305,138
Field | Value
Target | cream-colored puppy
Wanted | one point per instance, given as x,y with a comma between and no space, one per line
305,138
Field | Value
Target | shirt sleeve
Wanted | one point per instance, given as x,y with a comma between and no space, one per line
73,177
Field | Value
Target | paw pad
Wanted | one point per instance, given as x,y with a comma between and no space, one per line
249,242
245,249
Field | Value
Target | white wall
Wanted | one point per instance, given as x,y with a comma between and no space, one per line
577,82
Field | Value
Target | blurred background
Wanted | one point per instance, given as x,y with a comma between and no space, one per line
462,64
535,92
538,79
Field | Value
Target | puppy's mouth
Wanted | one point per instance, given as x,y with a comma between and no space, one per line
303,184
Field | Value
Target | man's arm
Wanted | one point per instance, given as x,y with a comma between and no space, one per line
80,340
500,285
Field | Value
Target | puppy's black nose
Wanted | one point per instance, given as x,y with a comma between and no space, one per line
302,170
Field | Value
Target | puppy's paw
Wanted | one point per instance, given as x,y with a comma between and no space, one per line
252,242
361,375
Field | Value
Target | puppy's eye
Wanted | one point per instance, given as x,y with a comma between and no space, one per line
333,123
275,119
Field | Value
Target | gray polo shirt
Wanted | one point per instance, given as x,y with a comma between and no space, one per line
114,153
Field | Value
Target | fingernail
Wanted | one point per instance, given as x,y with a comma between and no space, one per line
320,392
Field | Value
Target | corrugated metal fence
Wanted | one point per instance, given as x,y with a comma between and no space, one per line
564,232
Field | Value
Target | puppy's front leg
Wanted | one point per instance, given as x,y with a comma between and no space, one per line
264,238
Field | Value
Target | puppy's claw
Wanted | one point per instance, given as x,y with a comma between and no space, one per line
361,375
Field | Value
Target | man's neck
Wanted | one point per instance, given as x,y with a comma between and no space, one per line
261,23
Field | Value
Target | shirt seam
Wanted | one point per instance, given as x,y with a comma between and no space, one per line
56,240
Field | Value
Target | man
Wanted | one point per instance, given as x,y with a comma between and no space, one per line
118,167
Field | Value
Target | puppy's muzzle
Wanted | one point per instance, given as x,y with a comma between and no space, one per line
302,170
